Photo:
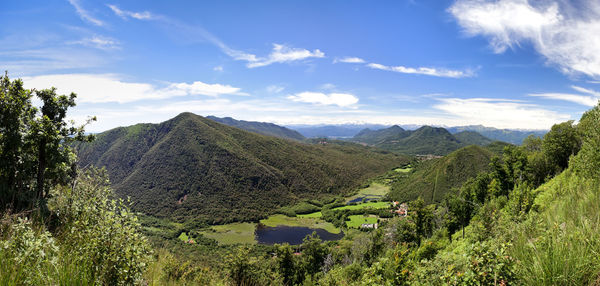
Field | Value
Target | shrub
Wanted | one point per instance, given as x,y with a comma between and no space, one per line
101,230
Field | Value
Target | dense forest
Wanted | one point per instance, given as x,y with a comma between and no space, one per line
191,167
529,216
425,140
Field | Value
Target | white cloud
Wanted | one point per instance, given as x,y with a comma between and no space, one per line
282,54
327,86
218,68
566,36
591,99
99,42
339,99
93,88
279,54
424,71
350,60
128,14
500,113
84,14
275,88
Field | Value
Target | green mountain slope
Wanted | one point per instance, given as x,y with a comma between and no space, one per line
263,128
432,179
193,167
425,140
472,138
374,137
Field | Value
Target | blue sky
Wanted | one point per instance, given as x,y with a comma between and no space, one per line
506,64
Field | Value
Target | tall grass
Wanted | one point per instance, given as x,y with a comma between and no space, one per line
560,245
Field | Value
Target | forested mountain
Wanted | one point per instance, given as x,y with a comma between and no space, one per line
507,135
263,128
433,179
472,138
333,131
191,167
425,140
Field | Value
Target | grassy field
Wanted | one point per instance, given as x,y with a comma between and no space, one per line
232,233
356,220
375,205
280,219
403,170
311,215
184,237
373,191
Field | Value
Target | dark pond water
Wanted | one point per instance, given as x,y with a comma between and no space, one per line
291,234
358,200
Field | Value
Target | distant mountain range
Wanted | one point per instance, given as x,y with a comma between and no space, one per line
425,140
194,168
507,135
263,128
350,130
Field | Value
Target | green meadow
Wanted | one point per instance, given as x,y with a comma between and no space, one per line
356,220
232,233
280,219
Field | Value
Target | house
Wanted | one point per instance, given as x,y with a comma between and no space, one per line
402,210
369,225
395,203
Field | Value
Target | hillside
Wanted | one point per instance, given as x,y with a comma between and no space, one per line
191,167
425,140
263,128
507,135
432,179
472,138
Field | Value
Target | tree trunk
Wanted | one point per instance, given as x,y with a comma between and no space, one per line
41,169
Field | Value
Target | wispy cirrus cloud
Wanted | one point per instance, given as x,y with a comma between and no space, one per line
284,54
438,72
587,97
339,99
101,88
98,42
145,15
349,60
84,14
280,53
565,35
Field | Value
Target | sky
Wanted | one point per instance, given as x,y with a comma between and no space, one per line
505,63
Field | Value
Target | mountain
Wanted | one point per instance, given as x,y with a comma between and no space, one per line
374,137
472,138
425,140
191,167
432,179
511,136
333,131
263,128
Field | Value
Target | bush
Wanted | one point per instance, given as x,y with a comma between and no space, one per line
27,256
100,230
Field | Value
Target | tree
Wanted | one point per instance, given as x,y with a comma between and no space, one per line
587,161
286,264
313,253
561,143
35,143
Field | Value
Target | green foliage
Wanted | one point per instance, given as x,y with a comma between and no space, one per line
433,179
34,144
587,161
244,269
193,168
561,143
100,230
27,256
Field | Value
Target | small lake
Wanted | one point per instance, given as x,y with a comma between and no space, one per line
291,234
360,199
